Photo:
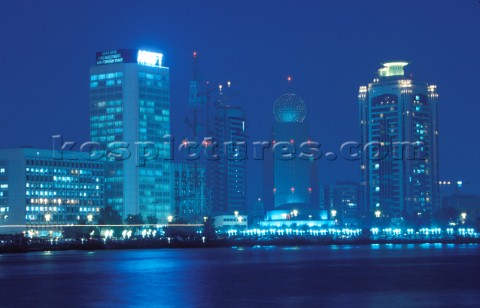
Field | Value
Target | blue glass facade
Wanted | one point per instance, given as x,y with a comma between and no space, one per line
130,105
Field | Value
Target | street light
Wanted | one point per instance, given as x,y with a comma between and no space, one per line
333,213
378,213
48,217
89,217
236,213
170,218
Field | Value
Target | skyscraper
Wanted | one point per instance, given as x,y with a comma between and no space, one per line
399,132
227,175
290,167
130,105
293,177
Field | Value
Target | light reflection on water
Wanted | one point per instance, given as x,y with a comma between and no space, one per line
355,275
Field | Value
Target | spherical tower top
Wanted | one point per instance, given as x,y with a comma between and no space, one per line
289,108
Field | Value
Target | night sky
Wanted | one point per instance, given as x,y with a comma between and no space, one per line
330,48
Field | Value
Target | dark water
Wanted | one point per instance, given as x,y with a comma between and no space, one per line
354,276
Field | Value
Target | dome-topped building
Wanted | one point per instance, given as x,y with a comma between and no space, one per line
293,183
289,108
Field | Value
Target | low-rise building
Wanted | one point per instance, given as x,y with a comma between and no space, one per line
44,189
465,208
231,221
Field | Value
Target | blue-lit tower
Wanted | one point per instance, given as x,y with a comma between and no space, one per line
398,117
130,104
293,178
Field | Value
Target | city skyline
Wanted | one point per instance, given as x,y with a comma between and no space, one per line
273,61
283,153
130,105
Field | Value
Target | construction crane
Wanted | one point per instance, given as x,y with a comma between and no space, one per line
199,103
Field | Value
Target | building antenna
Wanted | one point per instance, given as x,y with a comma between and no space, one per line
195,68
289,82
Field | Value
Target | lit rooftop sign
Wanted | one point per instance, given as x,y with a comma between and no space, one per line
141,57
111,57
149,58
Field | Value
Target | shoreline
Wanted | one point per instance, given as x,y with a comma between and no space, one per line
222,243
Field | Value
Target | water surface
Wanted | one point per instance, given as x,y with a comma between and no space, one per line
356,276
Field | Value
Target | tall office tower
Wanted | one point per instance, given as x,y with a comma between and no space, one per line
130,104
190,196
41,189
227,175
400,168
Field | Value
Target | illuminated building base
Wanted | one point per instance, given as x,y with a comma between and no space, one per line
288,223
